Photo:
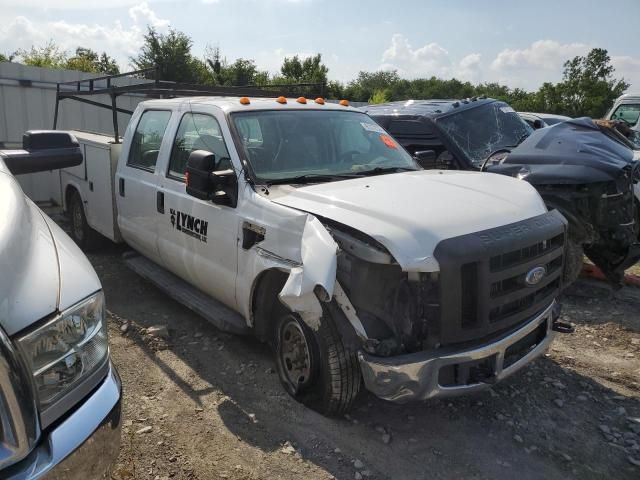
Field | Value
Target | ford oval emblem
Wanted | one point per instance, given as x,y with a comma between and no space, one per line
535,276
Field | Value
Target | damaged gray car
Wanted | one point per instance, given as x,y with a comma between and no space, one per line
575,165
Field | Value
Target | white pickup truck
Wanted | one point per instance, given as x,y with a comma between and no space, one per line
306,224
59,393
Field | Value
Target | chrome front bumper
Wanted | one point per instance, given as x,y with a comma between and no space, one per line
416,376
84,445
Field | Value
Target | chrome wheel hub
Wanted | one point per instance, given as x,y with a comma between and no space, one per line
295,355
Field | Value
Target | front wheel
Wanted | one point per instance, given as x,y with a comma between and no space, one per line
314,366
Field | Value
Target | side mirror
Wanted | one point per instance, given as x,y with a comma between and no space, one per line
43,150
221,187
537,124
426,158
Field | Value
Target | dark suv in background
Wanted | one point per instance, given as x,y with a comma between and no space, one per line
578,170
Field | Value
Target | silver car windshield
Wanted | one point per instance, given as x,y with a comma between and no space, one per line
482,130
286,145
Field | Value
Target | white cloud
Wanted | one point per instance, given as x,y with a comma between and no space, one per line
431,59
528,67
540,62
545,54
143,12
628,68
470,68
117,40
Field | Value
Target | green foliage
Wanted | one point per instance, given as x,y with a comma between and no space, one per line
86,60
51,56
367,83
308,70
240,73
48,56
379,96
588,86
171,53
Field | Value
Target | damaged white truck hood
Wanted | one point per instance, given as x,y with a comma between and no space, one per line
410,213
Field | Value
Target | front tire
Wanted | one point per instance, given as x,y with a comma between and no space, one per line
314,366
573,262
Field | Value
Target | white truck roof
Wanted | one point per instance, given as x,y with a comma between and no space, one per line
232,104
628,96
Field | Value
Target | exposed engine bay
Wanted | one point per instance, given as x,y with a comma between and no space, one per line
480,292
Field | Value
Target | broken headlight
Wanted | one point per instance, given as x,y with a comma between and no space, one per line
65,352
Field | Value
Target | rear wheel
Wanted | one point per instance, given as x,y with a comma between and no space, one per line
314,366
85,236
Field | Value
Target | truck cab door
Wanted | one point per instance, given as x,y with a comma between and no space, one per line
197,239
137,182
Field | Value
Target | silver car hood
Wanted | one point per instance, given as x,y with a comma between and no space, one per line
35,254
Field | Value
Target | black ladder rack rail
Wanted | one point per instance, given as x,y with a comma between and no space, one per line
78,90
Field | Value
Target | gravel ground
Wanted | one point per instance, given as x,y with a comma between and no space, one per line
201,404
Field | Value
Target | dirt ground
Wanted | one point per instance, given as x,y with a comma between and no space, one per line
207,405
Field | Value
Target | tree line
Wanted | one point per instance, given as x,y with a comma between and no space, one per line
588,86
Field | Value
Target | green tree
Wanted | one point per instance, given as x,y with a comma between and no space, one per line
171,53
308,70
240,73
366,83
48,56
108,65
86,60
588,86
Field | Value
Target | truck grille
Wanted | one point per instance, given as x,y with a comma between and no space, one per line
483,277
18,418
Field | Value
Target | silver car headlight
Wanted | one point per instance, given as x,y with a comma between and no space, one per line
65,353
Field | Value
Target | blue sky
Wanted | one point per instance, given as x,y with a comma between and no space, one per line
518,43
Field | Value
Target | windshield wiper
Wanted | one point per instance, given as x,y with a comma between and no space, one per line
522,138
383,170
311,178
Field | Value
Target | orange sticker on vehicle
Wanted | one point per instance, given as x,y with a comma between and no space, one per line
388,141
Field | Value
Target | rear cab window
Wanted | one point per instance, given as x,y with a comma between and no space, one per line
147,138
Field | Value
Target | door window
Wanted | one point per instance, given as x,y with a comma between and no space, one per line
147,139
628,113
197,131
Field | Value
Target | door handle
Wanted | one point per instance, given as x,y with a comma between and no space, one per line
121,186
160,201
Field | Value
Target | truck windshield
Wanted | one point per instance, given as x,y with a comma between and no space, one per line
315,145
482,130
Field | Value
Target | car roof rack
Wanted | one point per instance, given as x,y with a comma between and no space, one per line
152,86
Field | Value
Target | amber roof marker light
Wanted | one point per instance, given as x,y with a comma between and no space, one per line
245,100
281,99
344,103
301,100
320,101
